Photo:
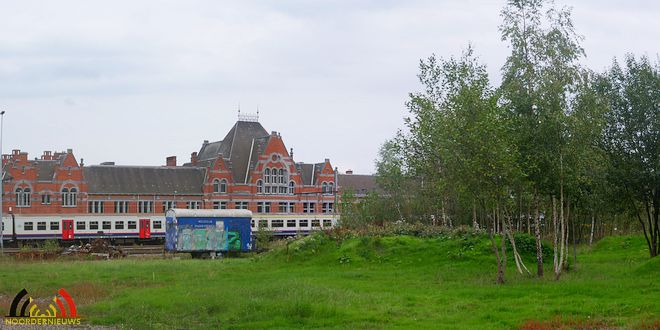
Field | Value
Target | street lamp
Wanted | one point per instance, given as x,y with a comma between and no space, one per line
2,184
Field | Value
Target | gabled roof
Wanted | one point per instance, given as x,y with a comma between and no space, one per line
359,184
309,173
46,169
237,146
148,180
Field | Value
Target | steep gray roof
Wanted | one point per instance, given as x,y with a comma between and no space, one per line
309,172
46,169
359,184
144,180
236,146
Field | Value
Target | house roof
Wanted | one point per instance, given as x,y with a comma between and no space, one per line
148,180
46,169
359,184
237,146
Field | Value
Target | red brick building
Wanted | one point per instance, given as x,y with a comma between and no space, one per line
248,169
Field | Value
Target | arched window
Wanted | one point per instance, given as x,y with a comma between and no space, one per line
69,197
23,197
331,188
324,188
260,187
267,175
292,187
280,176
273,176
216,185
223,186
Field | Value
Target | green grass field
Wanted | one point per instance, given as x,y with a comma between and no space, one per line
389,282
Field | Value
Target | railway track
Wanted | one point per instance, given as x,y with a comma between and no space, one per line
129,250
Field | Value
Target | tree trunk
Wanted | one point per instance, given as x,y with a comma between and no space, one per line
498,258
593,225
475,225
537,232
555,237
507,227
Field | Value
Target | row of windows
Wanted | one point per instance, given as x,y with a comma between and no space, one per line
142,206
292,223
220,186
93,225
288,207
327,187
24,199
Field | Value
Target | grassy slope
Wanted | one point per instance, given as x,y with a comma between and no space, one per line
382,283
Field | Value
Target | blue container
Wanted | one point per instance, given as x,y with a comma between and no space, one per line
208,230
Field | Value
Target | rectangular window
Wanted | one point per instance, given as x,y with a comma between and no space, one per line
93,225
45,199
54,225
241,205
145,206
119,225
286,207
316,223
193,205
107,225
277,223
168,205
263,223
132,225
327,223
290,223
267,190
95,207
121,207
219,205
28,226
41,225
309,207
158,225
304,223
80,225
263,207
328,207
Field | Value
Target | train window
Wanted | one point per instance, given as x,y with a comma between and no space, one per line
41,225
158,225
316,223
263,223
80,225
277,223
132,225
28,226
119,225
93,225
291,223
327,223
304,223
54,225
107,225
252,223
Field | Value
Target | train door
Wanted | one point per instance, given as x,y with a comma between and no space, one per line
67,230
145,228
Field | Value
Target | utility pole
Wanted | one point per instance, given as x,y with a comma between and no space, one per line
2,185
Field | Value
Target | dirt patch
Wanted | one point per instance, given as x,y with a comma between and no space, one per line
86,293
570,324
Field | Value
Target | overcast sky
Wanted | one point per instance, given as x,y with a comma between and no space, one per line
137,81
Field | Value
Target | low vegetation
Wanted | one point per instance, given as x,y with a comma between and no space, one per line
342,279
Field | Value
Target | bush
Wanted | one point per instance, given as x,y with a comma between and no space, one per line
526,245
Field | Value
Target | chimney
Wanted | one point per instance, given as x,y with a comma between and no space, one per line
47,155
69,151
193,158
170,161
349,172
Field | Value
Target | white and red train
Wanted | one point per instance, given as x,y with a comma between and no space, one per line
138,226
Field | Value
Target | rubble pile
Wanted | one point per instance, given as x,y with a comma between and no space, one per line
98,247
